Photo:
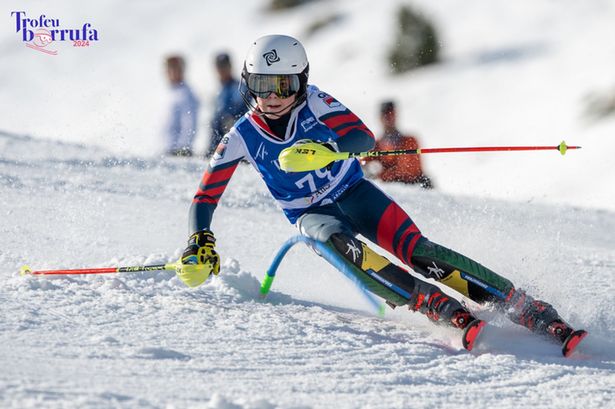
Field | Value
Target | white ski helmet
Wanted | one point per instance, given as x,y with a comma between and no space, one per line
275,64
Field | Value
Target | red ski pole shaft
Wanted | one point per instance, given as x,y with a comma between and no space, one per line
562,148
493,149
74,271
25,270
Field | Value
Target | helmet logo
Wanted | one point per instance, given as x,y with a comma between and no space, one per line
271,57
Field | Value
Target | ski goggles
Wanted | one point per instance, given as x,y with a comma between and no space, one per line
282,85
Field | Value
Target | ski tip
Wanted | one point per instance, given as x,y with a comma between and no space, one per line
572,341
25,270
471,333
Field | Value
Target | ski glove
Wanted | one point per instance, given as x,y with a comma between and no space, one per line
199,259
306,155
330,144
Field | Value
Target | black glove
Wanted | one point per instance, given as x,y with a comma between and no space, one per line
329,144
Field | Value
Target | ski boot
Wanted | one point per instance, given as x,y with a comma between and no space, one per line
541,318
438,307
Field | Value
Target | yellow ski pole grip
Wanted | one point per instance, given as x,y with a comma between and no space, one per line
307,157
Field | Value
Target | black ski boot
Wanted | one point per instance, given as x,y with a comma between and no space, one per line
440,308
543,319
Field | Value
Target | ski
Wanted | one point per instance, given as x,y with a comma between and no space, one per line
471,333
572,341
565,335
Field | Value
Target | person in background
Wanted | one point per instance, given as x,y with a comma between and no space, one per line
181,124
402,168
229,103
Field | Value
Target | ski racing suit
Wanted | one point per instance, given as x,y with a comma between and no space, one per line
335,204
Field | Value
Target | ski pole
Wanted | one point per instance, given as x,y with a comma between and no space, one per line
312,156
26,270
562,148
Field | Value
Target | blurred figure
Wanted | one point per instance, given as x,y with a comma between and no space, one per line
402,168
229,103
181,125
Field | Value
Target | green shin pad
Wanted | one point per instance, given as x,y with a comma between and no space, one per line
458,272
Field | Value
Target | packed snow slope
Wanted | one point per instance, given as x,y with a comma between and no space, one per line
147,341
512,73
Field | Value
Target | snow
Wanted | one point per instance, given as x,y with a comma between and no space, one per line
80,187
146,340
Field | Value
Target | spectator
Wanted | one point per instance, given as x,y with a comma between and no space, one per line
181,125
229,103
402,168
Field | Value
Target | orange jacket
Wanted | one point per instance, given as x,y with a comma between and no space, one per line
402,168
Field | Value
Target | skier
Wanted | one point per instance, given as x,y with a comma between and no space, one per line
335,204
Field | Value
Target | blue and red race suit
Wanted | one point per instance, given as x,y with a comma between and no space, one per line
319,118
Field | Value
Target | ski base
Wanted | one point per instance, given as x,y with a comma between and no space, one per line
572,341
471,333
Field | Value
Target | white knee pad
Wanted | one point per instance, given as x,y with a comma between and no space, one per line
321,226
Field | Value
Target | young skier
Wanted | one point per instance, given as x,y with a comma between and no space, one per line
335,204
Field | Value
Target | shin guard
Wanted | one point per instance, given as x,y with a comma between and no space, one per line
459,272
397,286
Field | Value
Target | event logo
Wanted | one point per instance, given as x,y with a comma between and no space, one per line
41,33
